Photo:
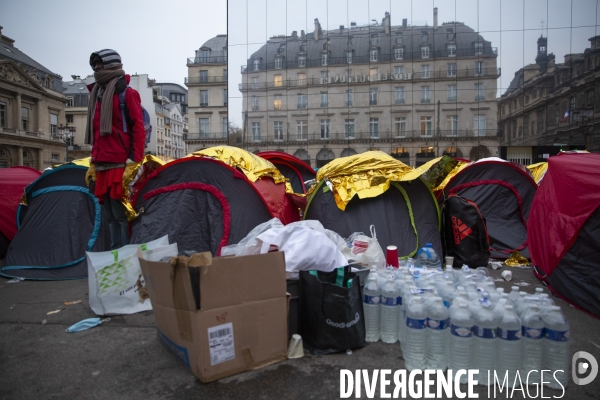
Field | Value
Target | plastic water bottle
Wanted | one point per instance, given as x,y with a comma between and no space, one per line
438,324
509,345
513,295
500,306
427,258
389,312
415,335
484,346
461,338
371,306
532,329
556,346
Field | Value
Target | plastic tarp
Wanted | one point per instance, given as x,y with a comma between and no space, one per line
13,182
564,228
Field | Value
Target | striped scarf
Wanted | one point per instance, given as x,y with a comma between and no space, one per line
105,79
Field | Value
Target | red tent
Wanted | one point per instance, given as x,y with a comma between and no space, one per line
293,168
13,182
564,229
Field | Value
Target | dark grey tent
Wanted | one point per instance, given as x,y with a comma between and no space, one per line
61,221
503,192
406,215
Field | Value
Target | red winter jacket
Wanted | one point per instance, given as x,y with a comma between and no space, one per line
117,147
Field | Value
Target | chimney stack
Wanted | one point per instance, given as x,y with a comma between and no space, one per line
302,35
386,23
352,24
341,29
294,34
404,22
317,33
435,18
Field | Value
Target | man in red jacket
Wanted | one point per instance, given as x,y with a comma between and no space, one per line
115,143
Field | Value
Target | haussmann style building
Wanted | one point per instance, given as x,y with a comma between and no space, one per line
415,92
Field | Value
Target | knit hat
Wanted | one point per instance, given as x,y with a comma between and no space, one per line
108,57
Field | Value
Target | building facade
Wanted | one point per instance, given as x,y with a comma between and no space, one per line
32,107
78,97
551,106
176,146
207,95
416,92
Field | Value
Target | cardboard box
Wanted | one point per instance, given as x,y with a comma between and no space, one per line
220,316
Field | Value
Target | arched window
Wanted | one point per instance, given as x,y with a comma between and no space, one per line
348,152
324,156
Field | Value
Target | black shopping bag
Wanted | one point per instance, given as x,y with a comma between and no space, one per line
331,311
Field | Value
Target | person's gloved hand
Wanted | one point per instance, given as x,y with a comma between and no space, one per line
90,177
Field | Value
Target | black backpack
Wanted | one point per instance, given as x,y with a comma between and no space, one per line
465,235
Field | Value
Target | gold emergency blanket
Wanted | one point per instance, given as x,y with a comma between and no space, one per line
538,170
368,174
517,260
459,167
132,173
253,166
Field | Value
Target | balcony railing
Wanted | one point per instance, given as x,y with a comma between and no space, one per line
385,77
207,60
382,58
205,136
198,80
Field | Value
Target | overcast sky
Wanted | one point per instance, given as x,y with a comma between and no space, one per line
152,36
512,26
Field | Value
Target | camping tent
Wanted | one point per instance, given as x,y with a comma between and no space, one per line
405,213
293,168
13,182
60,222
205,202
564,229
503,192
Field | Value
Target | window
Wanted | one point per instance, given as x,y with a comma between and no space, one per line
373,96
451,92
424,51
451,70
400,95
526,126
451,50
452,125
373,55
424,38
255,103
325,128
324,59
349,128
24,117
425,94
277,102
479,68
301,61
224,75
349,57
54,157
3,114
225,127
426,126
449,34
425,71
324,76
399,54
203,76
349,97
373,71
53,124
302,100
256,64
278,131
479,125
399,70
204,56
278,80
374,128
256,131
301,79
255,82
400,126
69,118
399,40
278,62
204,98
478,48
324,99
204,126
479,92
70,102
302,130
224,99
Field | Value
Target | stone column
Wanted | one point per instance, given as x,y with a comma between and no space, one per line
39,115
17,113
40,158
19,151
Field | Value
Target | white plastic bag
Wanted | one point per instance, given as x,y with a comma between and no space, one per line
115,277
248,244
373,256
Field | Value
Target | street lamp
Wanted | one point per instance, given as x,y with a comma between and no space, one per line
66,133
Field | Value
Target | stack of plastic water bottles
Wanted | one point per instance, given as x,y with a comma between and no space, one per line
458,319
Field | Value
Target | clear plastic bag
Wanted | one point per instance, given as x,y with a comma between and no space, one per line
248,245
